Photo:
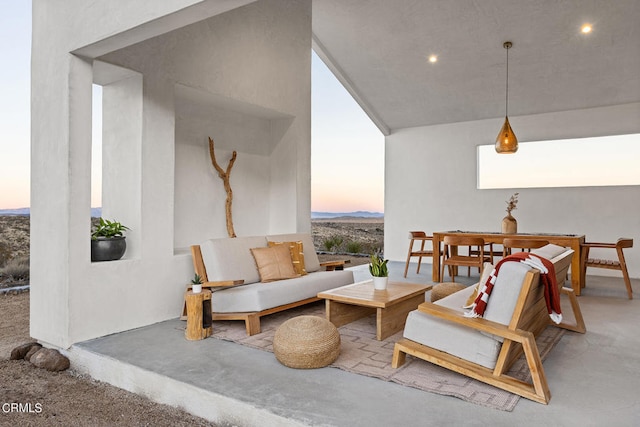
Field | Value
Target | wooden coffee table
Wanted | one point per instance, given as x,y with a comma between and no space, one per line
392,305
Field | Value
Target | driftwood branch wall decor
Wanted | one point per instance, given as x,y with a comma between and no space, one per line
224,175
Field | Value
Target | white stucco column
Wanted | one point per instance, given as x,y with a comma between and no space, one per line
122,157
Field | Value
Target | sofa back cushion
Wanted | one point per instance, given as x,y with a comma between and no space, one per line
311,261
231,258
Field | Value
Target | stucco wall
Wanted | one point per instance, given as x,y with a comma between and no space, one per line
247,55
430,183
239,75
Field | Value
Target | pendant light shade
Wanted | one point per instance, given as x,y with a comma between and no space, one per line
506,142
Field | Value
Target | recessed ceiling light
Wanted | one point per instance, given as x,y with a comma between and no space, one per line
586,28
433,58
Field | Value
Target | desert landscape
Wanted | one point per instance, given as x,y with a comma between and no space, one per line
69,398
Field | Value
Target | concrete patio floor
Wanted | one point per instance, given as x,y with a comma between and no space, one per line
593,377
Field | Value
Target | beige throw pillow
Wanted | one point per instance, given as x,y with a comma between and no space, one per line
274,263
487,268
297,255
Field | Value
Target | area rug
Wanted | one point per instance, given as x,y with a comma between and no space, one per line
362,354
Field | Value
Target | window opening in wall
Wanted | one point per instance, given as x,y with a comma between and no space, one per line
582,162
347,149
96,150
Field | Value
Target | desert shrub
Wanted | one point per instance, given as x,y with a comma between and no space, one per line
5,253
17,268
372,248
333,243
354,247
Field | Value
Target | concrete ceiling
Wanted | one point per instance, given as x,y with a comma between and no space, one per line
379,50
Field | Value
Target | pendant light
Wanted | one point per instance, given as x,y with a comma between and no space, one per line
506,142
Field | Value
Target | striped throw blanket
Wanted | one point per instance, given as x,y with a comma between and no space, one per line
547,276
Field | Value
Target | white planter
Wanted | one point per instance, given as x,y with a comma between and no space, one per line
196,289
380,283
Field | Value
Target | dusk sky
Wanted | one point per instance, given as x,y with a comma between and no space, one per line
347,149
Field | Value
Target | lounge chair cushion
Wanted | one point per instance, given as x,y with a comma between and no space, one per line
464,342
549,251
505,292
454,339
262,296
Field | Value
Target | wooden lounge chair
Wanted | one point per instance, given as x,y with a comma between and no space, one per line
517,335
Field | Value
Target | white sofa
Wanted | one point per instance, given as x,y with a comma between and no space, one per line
229,259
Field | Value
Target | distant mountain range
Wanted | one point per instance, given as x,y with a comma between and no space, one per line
357,214
19,211
97,212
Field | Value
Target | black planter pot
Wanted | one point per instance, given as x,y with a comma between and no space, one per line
108,248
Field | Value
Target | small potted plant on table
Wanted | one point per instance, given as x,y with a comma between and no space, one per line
380,271
196,284
107,241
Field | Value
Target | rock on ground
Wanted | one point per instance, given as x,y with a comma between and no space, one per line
66,398
49,359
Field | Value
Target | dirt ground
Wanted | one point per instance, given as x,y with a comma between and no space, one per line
30,396
66,398
366,233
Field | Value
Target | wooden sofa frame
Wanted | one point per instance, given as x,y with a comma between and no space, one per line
251,319
529,319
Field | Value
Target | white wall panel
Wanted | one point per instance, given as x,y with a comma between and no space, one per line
430,183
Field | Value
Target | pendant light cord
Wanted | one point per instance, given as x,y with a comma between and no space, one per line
507,91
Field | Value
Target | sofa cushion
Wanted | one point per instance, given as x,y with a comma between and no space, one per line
297,254
274,263
262,296
311,261
231,259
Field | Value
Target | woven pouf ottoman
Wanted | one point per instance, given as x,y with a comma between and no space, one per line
445,289
306,342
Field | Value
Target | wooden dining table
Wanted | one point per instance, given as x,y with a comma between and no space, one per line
567,240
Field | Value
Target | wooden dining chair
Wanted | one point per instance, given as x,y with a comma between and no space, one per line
619,264
452,258
418,236
524,244
488,250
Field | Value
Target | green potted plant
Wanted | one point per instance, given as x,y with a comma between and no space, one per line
196,284
108,240
380,271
